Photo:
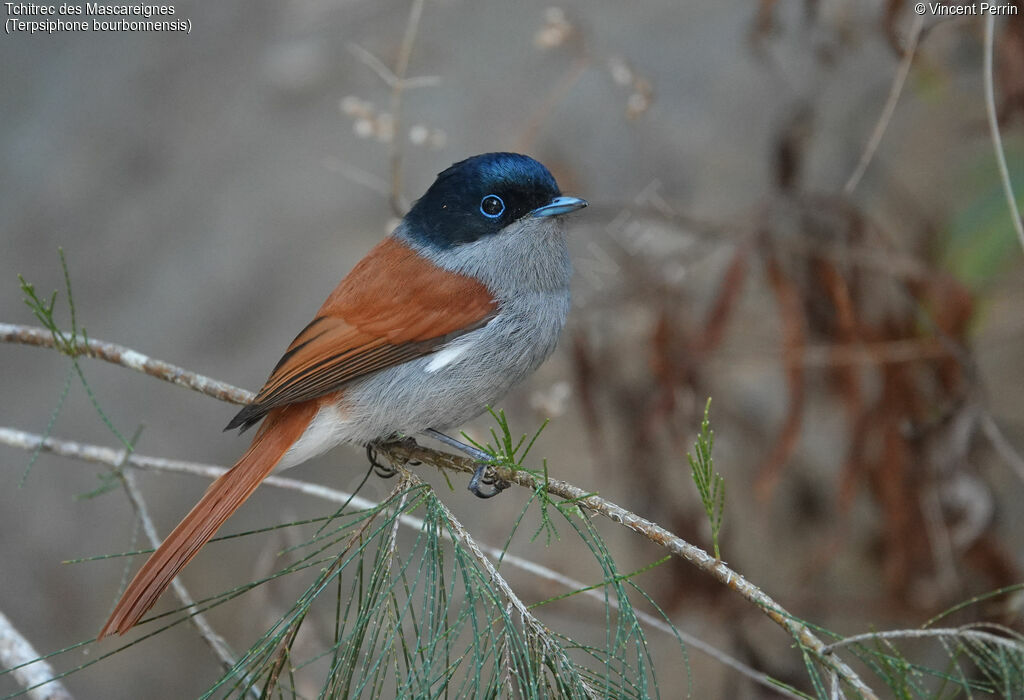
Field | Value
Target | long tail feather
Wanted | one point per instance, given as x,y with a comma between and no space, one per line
281,428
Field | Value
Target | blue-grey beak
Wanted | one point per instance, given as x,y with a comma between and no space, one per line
559,206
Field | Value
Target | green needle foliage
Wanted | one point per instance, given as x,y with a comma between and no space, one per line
424,615
71,344
710,485
510,453
43,310
506,451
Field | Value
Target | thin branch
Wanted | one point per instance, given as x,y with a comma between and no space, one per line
126,357
198,619
1015,645
398,204
993,126
374,64
890,106
404,453
104,455
357,175
836,687
32,673
1002,445
398,82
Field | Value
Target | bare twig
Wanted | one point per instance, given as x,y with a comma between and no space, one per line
993,125
198,619
398,82
398,203
1002,445
890,106
388,75
358,175
405,453
33,673
126,357
967,632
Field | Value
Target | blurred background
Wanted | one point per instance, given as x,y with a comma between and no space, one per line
861,336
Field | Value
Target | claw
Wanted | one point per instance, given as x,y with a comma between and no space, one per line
384,471
482,476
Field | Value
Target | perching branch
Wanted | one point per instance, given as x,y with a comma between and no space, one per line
404,453
96,454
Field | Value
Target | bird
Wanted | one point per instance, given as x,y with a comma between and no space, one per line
463,300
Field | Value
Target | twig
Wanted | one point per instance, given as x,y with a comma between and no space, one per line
398,204
126,357
388,75
398,82
1002,445
32,673
1015,645
358,175
890,106
206,631
993,125
441,460
105,455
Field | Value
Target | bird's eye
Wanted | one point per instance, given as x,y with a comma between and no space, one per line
492,206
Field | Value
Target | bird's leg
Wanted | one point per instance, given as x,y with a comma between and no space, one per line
386,471
483,464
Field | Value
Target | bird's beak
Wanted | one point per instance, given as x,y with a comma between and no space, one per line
559,206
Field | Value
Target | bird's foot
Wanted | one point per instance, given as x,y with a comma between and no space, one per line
485,476
386,471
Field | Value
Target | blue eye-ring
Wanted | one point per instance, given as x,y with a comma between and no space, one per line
492,206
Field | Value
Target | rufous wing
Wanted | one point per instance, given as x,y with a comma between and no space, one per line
393,307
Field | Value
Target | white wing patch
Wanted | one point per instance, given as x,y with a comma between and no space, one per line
450,353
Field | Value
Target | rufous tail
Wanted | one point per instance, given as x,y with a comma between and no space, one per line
281,428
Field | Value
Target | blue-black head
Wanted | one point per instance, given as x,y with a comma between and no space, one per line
481,195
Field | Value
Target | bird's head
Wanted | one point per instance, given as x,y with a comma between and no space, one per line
483,196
